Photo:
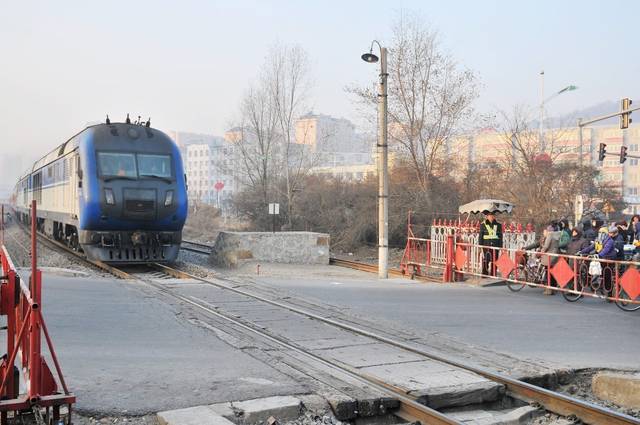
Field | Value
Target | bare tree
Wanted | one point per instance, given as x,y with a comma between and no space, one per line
543,184
256,140
272,158
429,97
287,70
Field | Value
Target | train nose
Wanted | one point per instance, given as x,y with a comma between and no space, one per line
140,203
139,238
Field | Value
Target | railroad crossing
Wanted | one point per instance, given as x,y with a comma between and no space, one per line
189,338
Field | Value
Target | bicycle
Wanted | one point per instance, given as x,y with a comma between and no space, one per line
529,270
591,278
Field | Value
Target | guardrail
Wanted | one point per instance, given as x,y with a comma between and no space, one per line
21,302
574,276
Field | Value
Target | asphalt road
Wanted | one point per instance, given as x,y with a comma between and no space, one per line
125,351
588,333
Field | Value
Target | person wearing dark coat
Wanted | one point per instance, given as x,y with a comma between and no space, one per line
490,237
588,231
578,242
634,229
612,249
565,234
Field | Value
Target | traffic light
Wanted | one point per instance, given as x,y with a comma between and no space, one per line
602,151
623,154
625,118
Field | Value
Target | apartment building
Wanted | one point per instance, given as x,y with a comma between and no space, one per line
489,146
210,173
333,141
209,165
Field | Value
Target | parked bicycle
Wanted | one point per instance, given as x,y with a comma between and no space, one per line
594,278
528,270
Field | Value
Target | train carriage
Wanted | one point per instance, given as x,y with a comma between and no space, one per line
115,191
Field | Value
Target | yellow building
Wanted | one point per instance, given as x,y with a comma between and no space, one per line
490,146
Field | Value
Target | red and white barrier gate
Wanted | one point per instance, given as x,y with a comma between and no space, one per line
424,255
21,302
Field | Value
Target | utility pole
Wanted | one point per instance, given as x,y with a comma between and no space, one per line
540,124
383,171
382,162
580,149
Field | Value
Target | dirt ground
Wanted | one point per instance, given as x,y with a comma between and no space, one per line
204,222
580,387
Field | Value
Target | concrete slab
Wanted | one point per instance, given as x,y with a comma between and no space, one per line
518,416
283,408
199,415
344,407
438,385
618,388
370,355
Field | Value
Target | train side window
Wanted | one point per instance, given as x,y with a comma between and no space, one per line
78,171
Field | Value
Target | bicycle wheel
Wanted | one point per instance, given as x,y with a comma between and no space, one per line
520,274
625,305
574,285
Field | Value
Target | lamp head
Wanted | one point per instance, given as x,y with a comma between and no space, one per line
369,57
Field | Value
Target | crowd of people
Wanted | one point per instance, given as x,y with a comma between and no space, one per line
591,237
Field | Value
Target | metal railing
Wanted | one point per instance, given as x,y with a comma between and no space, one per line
21,302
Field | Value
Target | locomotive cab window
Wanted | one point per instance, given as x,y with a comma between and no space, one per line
154,165
117,164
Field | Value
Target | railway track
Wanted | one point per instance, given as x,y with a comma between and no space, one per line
205,249
410,410
372,268
197,247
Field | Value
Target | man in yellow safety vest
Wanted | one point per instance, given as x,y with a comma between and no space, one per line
490,236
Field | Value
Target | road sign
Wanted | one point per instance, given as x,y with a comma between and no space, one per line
274,209
218,186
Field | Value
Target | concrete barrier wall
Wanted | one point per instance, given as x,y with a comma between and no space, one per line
232,248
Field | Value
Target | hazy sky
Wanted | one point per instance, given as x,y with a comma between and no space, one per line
186,63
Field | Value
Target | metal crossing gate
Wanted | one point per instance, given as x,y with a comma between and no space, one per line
422,254
21,303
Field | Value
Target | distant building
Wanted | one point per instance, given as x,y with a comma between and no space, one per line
489,146
333,141
208,161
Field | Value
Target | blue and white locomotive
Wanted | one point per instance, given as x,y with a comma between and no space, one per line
116,191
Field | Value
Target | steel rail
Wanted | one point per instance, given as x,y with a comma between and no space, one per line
196,250
552,401
409,410
372,268
203,245
206,251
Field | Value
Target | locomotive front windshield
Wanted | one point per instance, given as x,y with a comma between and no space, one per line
117,164
154,165
132,165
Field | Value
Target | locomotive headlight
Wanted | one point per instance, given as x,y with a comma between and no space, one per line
168,199
108,196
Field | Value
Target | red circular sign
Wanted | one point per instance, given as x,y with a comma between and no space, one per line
219,186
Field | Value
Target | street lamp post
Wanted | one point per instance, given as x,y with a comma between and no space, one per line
543,101
382,161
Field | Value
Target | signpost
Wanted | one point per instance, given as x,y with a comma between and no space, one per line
274,209
218,187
